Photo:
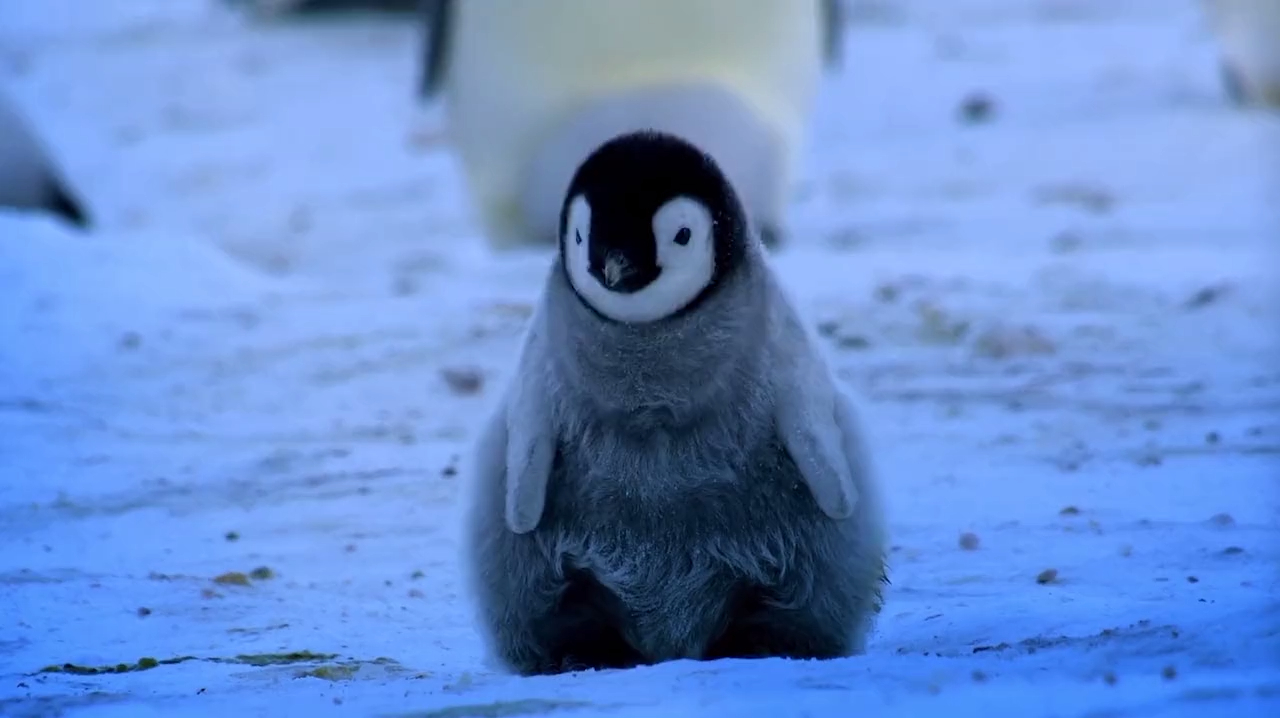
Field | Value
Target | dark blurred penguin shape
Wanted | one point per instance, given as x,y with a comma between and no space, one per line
673,472
29,179
531,88
284,8
1248,37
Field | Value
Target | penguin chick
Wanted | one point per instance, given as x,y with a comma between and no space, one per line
29,179
531,88
1248,36
673,472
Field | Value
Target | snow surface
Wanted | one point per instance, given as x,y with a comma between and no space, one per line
1062,320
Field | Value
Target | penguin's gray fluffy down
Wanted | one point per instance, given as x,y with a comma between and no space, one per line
673,471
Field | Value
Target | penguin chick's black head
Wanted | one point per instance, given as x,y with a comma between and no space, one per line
649,226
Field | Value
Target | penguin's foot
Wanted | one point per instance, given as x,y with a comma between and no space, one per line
581,632
586,632
757,628
765,636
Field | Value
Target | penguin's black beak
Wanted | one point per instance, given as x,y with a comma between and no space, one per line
616,268
617,272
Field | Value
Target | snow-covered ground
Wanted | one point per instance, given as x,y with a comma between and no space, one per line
1062,313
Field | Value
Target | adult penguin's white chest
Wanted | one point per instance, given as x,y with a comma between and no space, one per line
534,86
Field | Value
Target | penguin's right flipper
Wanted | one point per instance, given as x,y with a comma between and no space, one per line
813,421
62,203
437,20
530,433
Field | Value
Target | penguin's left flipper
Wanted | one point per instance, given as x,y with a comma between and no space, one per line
437,21
815,419
530,435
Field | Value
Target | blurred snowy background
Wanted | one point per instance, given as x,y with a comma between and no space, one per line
1040,241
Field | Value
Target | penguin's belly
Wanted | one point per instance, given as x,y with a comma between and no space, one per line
593,44
676,536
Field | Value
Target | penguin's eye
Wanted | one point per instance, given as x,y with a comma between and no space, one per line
683,236
577,236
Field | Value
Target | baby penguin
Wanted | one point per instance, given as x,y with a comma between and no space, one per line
673,472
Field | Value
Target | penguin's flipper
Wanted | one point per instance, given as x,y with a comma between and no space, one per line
813,417
530,435
809,426
833,22
62,203
437,20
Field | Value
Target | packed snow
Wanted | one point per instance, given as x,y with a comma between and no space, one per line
234,420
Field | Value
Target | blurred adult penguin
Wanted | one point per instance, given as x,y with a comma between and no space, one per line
29,179
531,88
1248,35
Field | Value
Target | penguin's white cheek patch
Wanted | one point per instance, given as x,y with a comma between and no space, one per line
685,252
685,233
577,245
